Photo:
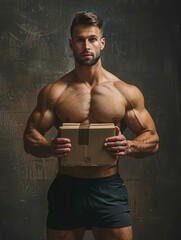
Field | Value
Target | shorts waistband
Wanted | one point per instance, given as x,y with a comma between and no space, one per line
89,181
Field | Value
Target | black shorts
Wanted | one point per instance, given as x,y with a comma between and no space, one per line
93,202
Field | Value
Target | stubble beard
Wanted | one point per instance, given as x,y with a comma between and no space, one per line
88,62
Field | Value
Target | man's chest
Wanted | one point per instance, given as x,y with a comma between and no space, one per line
100,104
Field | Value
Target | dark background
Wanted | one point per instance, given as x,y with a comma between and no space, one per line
142,48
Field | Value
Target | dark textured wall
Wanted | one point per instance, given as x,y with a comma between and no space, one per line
142,48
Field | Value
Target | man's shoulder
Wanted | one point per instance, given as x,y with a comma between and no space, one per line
128,90
54,89
62,81
120,84
114,78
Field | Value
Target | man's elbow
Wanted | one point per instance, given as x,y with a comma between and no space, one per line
155,149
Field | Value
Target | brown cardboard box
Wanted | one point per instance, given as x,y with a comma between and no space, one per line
87,144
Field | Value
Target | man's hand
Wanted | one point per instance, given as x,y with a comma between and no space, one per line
60,147
117,145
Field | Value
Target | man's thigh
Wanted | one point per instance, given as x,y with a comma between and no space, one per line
124,233
75,234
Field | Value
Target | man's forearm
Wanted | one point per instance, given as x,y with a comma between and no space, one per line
43,151
37,145
143,145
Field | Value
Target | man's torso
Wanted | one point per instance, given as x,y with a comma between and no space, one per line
82,103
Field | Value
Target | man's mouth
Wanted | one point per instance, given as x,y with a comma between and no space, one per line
87,54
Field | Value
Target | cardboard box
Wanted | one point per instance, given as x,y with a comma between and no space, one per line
87,144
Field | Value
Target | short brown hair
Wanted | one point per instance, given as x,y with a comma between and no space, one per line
87,18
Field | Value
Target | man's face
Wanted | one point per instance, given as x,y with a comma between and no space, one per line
86,44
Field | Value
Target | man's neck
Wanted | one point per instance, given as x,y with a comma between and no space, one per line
88,74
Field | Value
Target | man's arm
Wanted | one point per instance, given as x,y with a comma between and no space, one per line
146,140
139,121
39,122
142,125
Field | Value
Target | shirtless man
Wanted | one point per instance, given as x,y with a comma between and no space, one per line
95,197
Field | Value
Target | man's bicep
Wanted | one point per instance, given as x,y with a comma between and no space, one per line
40,121
137,118
42,117
139,121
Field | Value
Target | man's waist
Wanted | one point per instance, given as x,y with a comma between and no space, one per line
88,171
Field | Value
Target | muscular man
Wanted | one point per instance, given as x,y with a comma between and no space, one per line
89,197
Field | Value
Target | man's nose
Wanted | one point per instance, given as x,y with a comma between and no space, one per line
87,44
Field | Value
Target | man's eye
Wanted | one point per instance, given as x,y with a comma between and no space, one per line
80,40
93,39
